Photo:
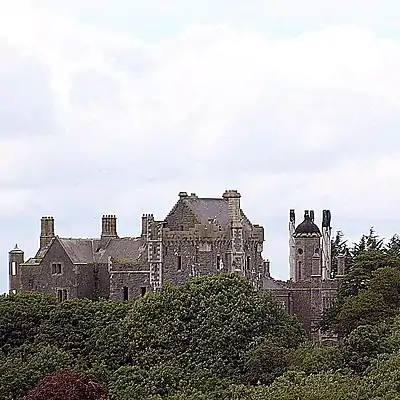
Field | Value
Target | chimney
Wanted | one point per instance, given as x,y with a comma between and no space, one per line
182,195
306,214
312,215
109,226
46,231
233,199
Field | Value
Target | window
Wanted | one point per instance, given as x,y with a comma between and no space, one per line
179,267
248,263
300,251
218,261
299,271
62,294
126,293
14,268
143,290
56,269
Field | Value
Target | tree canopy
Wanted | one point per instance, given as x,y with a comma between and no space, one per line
212,338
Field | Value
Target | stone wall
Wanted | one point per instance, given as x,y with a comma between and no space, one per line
39,278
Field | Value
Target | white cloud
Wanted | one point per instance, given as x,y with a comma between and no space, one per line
124,125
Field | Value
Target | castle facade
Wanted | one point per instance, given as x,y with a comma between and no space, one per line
200,236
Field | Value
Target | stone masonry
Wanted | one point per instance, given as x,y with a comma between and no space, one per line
200,236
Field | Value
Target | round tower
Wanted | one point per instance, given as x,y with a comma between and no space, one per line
307,249
15,259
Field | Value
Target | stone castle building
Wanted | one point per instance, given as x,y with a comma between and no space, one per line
200,236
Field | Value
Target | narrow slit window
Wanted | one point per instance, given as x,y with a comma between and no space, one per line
14,268
126,293
143,291
218,262
299,271
179,267
248,263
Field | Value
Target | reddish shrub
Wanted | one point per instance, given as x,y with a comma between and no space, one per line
63,385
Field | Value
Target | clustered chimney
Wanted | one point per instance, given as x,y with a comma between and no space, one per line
46,231
109,226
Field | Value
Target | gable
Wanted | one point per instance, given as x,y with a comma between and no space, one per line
181,217
55,251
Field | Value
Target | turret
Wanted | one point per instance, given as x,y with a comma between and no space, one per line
307,249
15,259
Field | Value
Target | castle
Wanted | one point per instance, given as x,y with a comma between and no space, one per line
200,236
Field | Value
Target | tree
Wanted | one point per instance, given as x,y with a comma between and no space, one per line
87,329
21,316
393,247
69,385
209,323
339,247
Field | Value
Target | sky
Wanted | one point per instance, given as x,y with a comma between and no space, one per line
114,107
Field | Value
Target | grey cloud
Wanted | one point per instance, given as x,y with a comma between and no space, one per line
27,103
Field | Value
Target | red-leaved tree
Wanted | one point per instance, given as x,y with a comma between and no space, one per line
68,385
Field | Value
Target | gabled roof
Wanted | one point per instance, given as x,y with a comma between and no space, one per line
208,208
86,251
128,249
80,250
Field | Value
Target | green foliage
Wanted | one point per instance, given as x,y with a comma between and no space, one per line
19,373
215,338
88,330
363,346
210,323
21,316
313,359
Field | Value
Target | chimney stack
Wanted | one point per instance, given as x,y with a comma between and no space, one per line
312,215
109,226
46,231
233,199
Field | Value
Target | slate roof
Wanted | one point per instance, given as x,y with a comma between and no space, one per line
89,251
207,208
307,227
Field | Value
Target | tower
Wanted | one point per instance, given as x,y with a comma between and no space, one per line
292,227
15,259
307,254
326,245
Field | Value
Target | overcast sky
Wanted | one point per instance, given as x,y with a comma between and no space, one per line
114,106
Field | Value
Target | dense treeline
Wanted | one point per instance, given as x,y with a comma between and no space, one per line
214,338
